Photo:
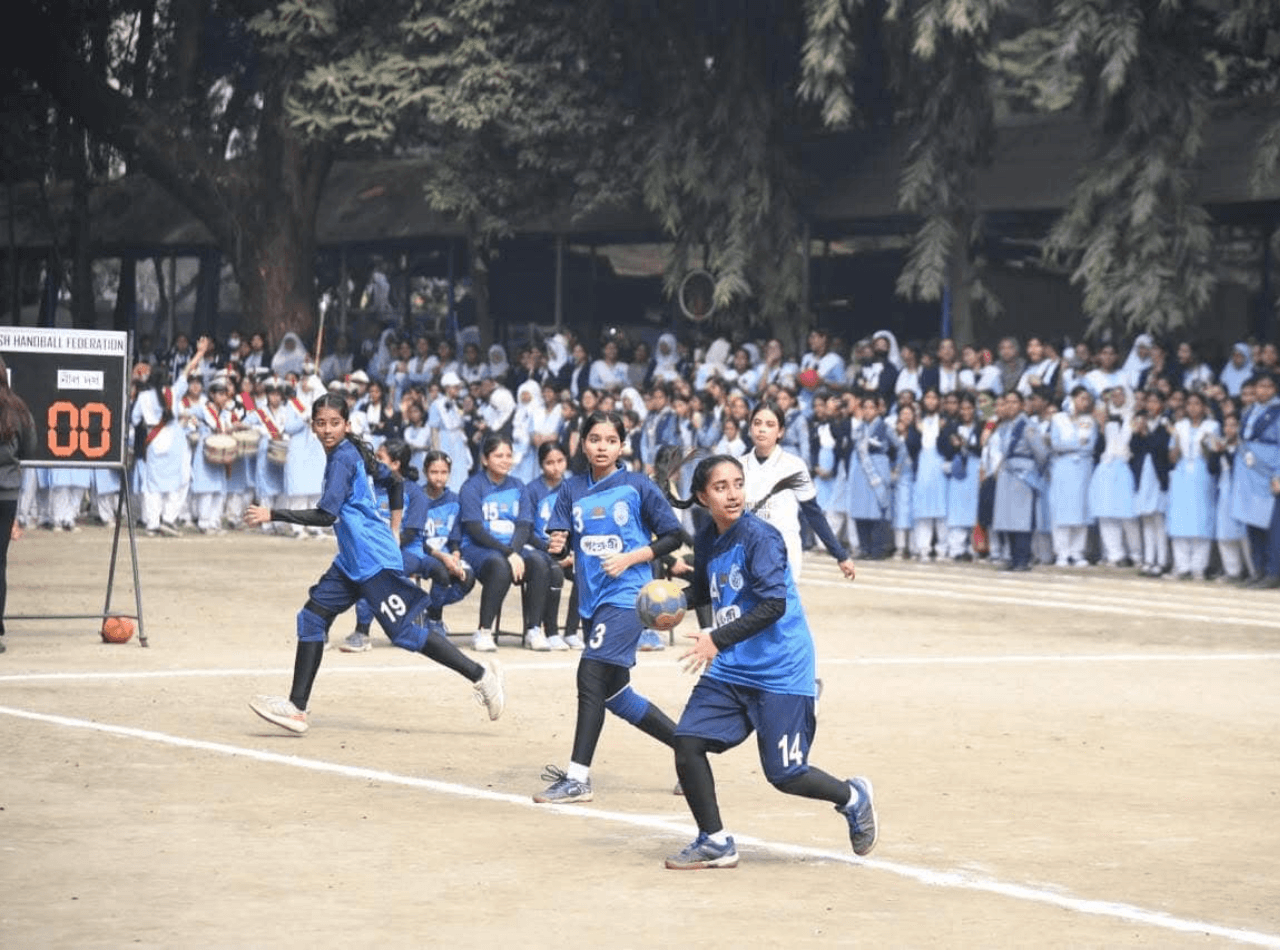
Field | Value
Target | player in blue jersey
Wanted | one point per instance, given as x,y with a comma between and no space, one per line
369,564
615,522
757,672
495,528
451,577
540,501
406,524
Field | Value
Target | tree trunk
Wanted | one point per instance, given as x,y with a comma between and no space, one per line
478,261
275,271
960,280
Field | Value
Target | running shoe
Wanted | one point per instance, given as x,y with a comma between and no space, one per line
356,642
482,642
650,641
281,711
562,790
704,853
490,692
536,640
861,815
557,643
574,642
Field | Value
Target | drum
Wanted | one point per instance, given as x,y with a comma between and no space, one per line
278,451
247,441
220,449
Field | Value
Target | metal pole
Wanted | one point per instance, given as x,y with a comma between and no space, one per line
559,281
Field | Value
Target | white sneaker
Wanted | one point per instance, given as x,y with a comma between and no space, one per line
482,642
490,692
280,711
557,643
535,639
574,642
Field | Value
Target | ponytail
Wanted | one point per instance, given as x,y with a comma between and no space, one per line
702,475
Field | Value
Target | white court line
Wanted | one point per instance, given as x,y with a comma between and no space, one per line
927,876
560,666
1036,598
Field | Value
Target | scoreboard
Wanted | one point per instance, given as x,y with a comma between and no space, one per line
75,382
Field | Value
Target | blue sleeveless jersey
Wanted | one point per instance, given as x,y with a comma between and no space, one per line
442,528
365,543
745,565
496,506
621,512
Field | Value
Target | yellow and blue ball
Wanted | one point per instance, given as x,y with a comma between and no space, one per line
660,604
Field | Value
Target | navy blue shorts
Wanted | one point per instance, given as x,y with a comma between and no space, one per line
612,635
725,714
396,602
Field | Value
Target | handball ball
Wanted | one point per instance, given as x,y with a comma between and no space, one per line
809,378
660,604
117,629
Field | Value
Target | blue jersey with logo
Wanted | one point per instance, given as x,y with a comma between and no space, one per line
621,512
540,502
442,529
497,507
365,542
743,566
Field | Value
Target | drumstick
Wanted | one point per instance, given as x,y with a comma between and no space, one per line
319,339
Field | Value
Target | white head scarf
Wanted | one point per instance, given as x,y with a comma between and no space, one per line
498,365
895,352
290,357
529,415
1135,362
666,356
557,353
632,395
1230,377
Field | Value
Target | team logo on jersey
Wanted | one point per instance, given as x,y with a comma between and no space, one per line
601,545
727,615
621,513
546,510
735,578
597,512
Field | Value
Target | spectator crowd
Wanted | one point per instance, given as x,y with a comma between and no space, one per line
1037,453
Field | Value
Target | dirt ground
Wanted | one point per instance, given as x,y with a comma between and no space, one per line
1061,759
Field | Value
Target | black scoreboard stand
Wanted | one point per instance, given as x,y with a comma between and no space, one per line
76,384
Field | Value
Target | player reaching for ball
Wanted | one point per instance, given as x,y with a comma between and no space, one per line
610,517
369,564
757,668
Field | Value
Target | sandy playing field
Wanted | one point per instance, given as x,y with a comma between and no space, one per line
1060,759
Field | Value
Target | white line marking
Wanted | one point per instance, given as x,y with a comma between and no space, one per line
508,666
1038,600
926,876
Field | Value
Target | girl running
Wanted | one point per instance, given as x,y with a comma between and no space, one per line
608,518
757,668
396,479
369,564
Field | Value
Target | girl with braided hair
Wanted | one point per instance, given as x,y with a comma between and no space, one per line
369,565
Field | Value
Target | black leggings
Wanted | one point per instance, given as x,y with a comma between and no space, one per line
699,785
8,514
494,575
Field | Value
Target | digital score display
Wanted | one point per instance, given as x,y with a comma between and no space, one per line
75,384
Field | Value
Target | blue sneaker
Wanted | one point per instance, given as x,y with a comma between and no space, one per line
562,790
650,641
704,853
861,815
